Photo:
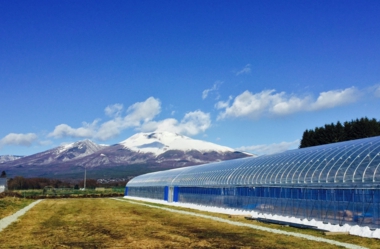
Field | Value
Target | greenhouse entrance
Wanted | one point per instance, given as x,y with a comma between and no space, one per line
171,194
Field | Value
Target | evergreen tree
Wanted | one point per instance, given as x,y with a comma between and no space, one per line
332,133
339,132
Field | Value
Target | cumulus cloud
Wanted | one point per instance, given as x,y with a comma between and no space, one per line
193,123
138,116
64,130
334,98
214,88
19,139
113,110
245,70
142,112
270,102
137,113
110,129
223,104
267,149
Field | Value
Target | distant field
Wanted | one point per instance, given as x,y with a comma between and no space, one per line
70,193
77,172
107,223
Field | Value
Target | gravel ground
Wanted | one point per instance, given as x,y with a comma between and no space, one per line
12,218
271,230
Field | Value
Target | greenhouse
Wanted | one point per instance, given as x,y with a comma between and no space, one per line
337,183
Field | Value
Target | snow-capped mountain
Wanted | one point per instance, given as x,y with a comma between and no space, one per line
163,149
59,154
160,142
8,158
141,153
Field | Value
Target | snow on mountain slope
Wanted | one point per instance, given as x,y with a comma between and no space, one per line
59,154
160,142
8,158
72,151
79,149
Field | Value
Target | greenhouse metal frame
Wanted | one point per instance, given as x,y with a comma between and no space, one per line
337,183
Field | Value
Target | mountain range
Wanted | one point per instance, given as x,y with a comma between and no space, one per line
141,153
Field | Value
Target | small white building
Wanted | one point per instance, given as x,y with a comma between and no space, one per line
3,184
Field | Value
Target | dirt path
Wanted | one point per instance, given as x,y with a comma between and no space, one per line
271,230
12,218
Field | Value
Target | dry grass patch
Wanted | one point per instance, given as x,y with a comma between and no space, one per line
351,239
10,205
106,223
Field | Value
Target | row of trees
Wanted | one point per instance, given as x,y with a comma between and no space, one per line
22,183
332,133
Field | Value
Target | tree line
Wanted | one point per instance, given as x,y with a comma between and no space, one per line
332,133
22,183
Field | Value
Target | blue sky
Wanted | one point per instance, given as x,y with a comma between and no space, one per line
251,75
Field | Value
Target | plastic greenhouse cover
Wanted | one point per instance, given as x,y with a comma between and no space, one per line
355,162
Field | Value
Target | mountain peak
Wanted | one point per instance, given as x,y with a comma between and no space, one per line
162,141
78,144
77,149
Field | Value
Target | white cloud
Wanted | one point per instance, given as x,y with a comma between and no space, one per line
245,70
193,123
196,122
284,106
214,88
19,139
223,104
113,110
376,91
249,105
334,98
267,149
270,102
64,130
138,113
110,129
139,116
142,112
